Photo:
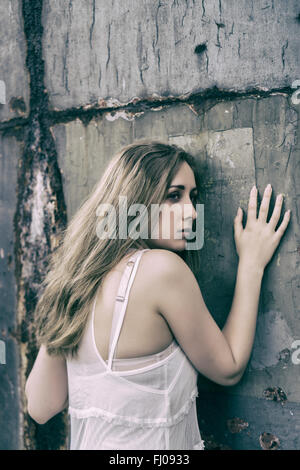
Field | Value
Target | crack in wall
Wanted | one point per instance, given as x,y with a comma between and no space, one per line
93,23
139,105
40,215
284,47
108,46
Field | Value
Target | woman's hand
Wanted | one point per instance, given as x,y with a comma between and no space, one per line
258,240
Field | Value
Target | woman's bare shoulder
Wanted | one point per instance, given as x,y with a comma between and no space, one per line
163,255
161,262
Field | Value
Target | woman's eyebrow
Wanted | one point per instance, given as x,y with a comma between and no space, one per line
181,186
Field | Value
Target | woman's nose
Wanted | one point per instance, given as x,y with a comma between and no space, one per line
189,211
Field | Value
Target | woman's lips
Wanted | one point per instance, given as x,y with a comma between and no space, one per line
186,233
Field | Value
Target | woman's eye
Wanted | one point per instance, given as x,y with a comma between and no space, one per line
176,197
173,196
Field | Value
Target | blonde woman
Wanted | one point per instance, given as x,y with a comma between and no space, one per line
122,325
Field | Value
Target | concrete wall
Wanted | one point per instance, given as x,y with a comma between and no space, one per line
214,77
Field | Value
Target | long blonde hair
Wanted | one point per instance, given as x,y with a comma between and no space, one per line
142,172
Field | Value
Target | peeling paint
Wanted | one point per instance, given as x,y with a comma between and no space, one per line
18,105
211,443
275,394
268,441
236,425
284,357
115,103
122,114
37,212
228,160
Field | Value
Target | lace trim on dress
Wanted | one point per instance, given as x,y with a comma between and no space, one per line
199,446
132,421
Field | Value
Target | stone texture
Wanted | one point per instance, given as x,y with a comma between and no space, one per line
83,152
12,59
215,410
10,437
114,51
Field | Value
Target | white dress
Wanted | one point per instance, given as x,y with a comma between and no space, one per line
147,402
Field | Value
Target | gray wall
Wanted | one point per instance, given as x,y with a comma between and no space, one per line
87,78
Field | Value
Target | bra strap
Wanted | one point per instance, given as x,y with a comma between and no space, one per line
121,301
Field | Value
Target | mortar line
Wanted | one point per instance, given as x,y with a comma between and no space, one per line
70,114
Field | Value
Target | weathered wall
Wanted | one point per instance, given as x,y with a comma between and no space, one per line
214,77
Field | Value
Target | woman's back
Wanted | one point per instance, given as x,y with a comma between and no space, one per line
144,330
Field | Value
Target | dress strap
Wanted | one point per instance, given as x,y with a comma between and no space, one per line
122,300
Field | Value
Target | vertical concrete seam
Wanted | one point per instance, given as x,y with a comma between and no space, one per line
40,214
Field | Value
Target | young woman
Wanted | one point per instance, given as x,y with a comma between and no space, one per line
122,325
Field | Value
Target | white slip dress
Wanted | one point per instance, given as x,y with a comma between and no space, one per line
146,402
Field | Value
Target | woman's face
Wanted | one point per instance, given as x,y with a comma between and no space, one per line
177,211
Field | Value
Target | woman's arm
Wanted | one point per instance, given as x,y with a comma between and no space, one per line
46,388
240,326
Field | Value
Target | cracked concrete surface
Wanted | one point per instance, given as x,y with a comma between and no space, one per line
12,70
110,50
